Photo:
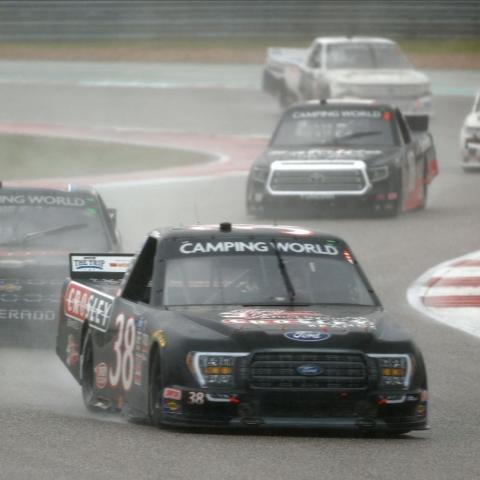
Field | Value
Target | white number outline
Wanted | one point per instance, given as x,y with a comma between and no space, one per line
196,398
123,348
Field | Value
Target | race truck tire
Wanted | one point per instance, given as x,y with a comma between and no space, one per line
154,390
423,205
87,374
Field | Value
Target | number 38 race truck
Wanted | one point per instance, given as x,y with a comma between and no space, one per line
239,326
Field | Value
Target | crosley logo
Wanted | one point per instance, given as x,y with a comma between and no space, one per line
82,304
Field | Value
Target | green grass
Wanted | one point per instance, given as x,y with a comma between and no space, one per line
458,46
115,47
26,157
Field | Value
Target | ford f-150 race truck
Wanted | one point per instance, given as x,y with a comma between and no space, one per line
239,326
344,153
38,227
340,67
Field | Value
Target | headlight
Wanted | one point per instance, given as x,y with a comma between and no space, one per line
260,173
378,173
213,368
395,370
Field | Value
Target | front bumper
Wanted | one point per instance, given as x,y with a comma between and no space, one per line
359,411
471,154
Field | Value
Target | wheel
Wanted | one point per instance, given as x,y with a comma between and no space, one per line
423,205
155,391
87,374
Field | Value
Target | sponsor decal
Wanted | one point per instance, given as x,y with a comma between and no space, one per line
72,355
364,113
172,393
88,264
318,154
307,336
99,263
277,318
81,303
42,200
137,375
28,298
36,315
171,406
159,336
101,375
310,370
10,287
188,248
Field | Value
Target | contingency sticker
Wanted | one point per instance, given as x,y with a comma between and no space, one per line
301,318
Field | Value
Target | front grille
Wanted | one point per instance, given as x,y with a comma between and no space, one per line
281,371
318,177
317,181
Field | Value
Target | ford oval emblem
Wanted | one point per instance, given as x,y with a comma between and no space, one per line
307,336
309,370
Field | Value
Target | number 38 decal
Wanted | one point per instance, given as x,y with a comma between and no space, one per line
122,368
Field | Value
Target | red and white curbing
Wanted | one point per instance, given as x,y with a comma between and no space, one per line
450,293
230,154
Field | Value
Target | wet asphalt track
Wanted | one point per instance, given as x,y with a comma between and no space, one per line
44,430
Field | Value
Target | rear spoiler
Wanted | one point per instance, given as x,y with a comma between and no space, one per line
101,266
417,123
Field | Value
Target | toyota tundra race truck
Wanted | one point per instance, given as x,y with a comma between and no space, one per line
343,67
344,153
239,326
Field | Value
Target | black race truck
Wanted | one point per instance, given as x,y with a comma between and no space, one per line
239,326
38,227
344,153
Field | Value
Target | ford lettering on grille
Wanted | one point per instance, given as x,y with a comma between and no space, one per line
306,336
309,370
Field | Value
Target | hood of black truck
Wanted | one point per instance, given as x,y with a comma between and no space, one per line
328,153
315,326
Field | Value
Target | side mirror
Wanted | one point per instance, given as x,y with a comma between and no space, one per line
417,123
112,213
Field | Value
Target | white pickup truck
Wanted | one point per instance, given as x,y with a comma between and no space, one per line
347,67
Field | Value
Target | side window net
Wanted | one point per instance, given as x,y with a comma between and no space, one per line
139,284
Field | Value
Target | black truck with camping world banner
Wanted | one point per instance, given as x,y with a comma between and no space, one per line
239,326
353,154
38,228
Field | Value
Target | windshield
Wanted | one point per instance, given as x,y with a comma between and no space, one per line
334,127
365,55
54,226
259,280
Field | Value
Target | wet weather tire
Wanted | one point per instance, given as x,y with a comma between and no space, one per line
155,391
87,374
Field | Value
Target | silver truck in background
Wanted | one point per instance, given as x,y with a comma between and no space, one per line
347,67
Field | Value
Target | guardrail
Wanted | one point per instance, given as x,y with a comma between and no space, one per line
165,19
